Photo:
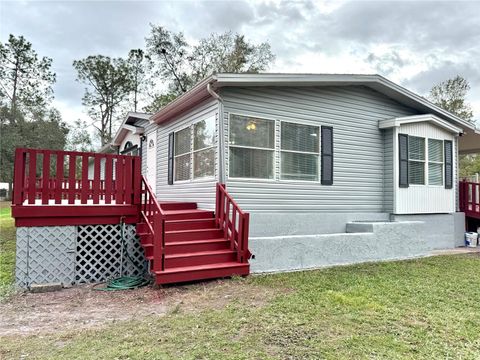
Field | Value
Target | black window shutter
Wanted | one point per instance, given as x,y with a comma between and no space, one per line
448,164
170,157
327,155
403,160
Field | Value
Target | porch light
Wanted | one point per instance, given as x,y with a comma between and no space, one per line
251,126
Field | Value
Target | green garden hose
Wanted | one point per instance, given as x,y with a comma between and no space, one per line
125,282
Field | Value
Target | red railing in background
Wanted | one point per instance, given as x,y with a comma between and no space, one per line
469,198
234,222
70,177
152,214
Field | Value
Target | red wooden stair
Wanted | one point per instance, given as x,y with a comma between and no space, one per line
184,243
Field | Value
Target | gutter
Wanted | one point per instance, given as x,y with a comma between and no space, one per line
221,132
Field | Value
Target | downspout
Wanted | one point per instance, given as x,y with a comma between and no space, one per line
221,137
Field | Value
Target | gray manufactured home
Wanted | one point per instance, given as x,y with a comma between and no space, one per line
333,169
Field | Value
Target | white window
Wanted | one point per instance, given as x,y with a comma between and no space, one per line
200,152
203,148
252,147
435,162
183,159
416,160
299,151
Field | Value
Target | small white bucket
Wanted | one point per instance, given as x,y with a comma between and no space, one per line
471,239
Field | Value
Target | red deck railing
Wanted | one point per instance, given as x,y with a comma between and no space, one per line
470,198
234,222
154,218
70,177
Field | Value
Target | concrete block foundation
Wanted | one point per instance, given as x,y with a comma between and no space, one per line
362,241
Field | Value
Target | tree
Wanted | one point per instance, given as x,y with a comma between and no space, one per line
450,95
78,138
26,119
139,64
159,101
47,132
228,53
182,65
469,165
25,79
109,83
170,51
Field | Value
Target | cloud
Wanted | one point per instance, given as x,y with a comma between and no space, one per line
388,62
416,44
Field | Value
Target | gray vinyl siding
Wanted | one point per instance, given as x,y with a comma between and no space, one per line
201,191
388,182
353,112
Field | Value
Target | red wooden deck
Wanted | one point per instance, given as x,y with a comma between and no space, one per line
181,242
184,243
470,199
74,188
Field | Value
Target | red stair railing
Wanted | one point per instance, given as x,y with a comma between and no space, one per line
72,177
234,222
154,218
469,198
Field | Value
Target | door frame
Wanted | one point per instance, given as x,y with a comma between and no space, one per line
151,162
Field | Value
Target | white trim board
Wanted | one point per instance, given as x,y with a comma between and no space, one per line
397,122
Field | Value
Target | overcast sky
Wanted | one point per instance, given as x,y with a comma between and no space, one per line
416,44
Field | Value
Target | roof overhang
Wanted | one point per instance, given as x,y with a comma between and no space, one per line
184,102
128,125
397,122
376,82
469,143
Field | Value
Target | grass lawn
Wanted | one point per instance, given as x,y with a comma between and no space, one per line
422,309
7,249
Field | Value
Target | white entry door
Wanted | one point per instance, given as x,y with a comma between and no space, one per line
152,160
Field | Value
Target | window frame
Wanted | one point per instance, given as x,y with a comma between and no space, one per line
273,150
424,161
175,156
280,150
192,151
436,162
129,151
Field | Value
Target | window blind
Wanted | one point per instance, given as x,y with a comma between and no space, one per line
203,148
416,160
299,152
435,162
252,147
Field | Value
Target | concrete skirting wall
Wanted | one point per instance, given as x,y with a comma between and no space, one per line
413,236
442,231
283,224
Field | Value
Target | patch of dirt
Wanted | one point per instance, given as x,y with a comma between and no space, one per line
82,307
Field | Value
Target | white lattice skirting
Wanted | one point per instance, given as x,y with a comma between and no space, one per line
77,254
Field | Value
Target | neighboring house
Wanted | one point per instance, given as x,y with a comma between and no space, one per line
3,191
128,139
310,155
